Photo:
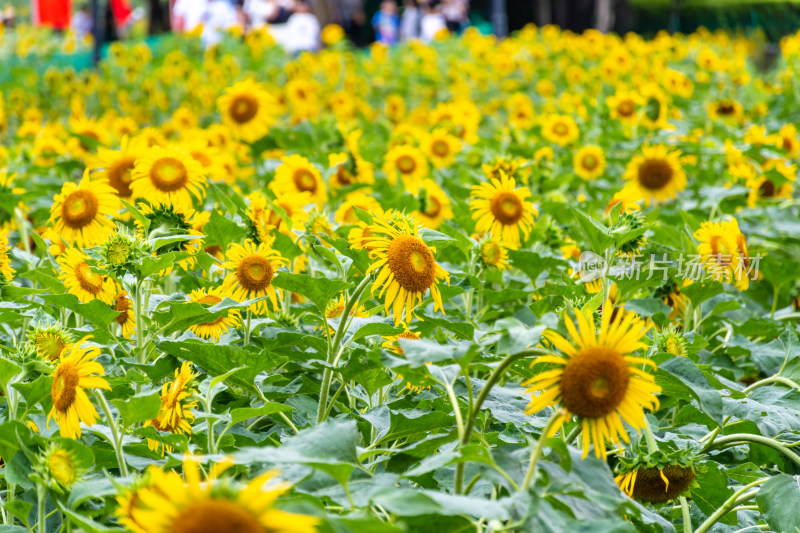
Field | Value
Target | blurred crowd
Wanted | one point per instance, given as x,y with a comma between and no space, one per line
296,23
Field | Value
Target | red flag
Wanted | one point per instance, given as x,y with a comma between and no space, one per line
52,13
121,10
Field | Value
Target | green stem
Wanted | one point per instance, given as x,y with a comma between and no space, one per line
743,438
775,292
247,327
333,352
537,451
139,320
687,518
773,379
22,225
112,424
738,497
41,494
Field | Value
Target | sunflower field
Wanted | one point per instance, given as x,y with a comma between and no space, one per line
548,283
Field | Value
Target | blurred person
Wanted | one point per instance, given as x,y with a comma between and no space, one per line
82,22
219,17
432,22
260,12
410,20
455,15
301,33
122,13
188,14
285,10
353,20
386,23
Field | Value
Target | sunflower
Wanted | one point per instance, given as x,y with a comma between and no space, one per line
727,110
406,266
434,205
126,317
723,252
349,170
493,254
175,414
50,342
656,107
502,210
80,213
82,281
296,175
560,129
6,271
264,216
247,110
168,176
116,165
335,309
346,214
763,188
589,162
520,111
76,372
215,329
407,162
656,175
596,378
251,270
441,147
171,503
786,138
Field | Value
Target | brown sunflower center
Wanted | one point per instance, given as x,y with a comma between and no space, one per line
726,108
215,516
49,345
122,304
255,273
594,382
412,263
506,208
655,174
343,177
169,174
589,162
787,144
119,175
440,148
766,189
432,207
79,209
243,108
89,281
65,386
406,164
304,180
559,128
650,487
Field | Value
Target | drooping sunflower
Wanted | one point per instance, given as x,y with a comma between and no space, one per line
560,129
501,208
596,378
655,485
589,162
175,414
80,213
6,271
171,503
406,266
126,317
434,205
409,164
168,176
219,326
116,166
247,110
76,372
441,147
82,281
656,175
296,175
251,270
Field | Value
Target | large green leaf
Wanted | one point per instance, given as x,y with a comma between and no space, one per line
779,500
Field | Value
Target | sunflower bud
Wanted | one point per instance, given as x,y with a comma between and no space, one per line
629,222
671,341
122,253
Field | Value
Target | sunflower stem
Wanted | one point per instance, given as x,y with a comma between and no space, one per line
41,494
247,327
772,379
112,424
536,452
23,230
333,352
738,497
687,518
746,438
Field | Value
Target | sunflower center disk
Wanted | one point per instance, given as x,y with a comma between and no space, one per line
432,207
304,180
65,384
412,263
79,209
589,162
440,148
625,108
506,207
406,164
560,128
255,273
654,174
215,516
766,189
89,281
169,175
119,176
243,109
595,381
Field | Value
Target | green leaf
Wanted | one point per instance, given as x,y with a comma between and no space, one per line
35,391
595,233
245,413
138,408
20,509
779,499
690,380
319,290
95,312
221,230
712,489
8,370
